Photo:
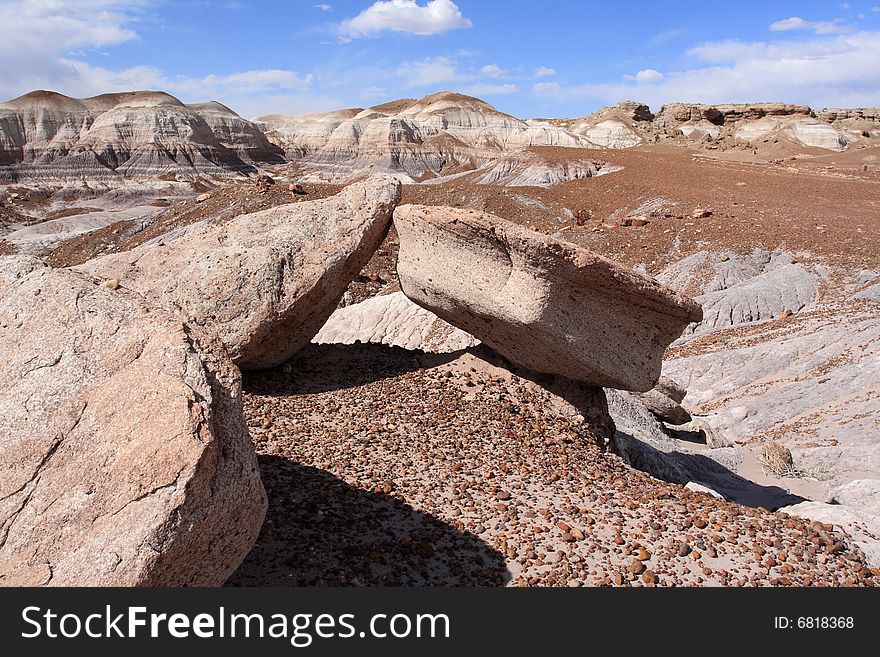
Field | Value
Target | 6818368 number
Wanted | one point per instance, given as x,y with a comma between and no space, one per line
814,623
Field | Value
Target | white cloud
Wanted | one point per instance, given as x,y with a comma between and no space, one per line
545,72
38,35
493,71
323,6
836,26
490,89
648,75
435,17
94,80
836,70
668,35
43,41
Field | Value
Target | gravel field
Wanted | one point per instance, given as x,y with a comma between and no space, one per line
386,467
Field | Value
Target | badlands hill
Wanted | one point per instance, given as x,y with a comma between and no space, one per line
449,134
46,135
440,135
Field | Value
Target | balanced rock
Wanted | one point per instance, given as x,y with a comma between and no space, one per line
264,283
545,304
124,457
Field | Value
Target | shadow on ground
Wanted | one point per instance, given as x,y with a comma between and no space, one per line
326,367
320,531
681,467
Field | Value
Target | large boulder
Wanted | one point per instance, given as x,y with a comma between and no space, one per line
263,282
545,304
124,457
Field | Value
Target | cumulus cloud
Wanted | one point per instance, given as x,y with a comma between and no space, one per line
95,79
545,72
836,26
435,17
323,6
547,87
44,41
648,75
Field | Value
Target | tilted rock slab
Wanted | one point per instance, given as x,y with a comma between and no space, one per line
124,456
545,304
264,283
396,321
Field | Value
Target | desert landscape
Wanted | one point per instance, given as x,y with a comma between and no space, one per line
429,343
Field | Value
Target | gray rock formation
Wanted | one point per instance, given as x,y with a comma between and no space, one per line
124,457
240,136
393,320
264,283
547,305
734,290
664,407
857,493
817,372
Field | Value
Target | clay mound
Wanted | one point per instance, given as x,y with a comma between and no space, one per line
124,457
620,126
241,137
44,100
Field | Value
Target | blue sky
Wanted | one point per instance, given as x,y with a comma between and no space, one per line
527,58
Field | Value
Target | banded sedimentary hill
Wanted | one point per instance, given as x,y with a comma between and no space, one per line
46,135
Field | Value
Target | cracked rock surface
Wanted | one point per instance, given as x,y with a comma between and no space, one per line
124,458
264,283
547,305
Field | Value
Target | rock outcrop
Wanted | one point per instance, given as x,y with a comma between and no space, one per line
145,134
124,457
396,321
545,304
741,289
264,283
620,126
751,123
